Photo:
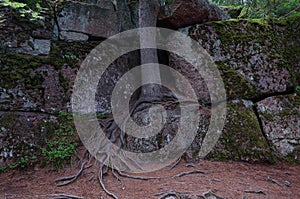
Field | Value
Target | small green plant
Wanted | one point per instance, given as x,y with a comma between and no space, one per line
14,4
70,56
100,115
2,168
23,162
27,8
297,89
60,149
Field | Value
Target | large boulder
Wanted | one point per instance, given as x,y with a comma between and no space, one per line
236,85
256,60
97,19
179,14
192,74
30,85
280,116
242,138
249,47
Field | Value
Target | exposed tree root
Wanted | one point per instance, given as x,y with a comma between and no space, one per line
64,196
116,135
118,179
277,182
167,194
136,177
172,193
256,192
174,164
70,179
210,194
190,165
188,173
117,173
100,178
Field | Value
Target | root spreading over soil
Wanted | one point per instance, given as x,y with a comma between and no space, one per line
188,181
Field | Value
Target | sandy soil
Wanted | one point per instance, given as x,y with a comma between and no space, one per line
225,179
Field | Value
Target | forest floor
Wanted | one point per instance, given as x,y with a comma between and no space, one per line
224,179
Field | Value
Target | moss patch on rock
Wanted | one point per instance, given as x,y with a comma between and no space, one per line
70,53
22,136
242,138
16,68
236,85
263,51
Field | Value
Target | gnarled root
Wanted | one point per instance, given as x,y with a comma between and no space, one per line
70,179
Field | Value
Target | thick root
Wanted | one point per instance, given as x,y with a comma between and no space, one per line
70,179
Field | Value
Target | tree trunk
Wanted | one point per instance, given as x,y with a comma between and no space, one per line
148,13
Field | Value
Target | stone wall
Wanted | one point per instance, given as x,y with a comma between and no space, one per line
260,68
258,61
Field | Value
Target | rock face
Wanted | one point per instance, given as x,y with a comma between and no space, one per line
23,134
33,90
179,14
253,68
73,21
191,73
258,61
280,119
73,36
109,79
88,19
30,46
29,85
242,138
24,36
101,19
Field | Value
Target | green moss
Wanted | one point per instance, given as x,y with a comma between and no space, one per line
69,53
36,80
297,98
287,42
24,142
60,148
288,21
159,139
236,85
242,138
267,116
2,168
278,39
64,82
260,22
17,71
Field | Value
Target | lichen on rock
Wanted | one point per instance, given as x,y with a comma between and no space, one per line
251,48
280,119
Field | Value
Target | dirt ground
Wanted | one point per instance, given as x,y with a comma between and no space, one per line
224,179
